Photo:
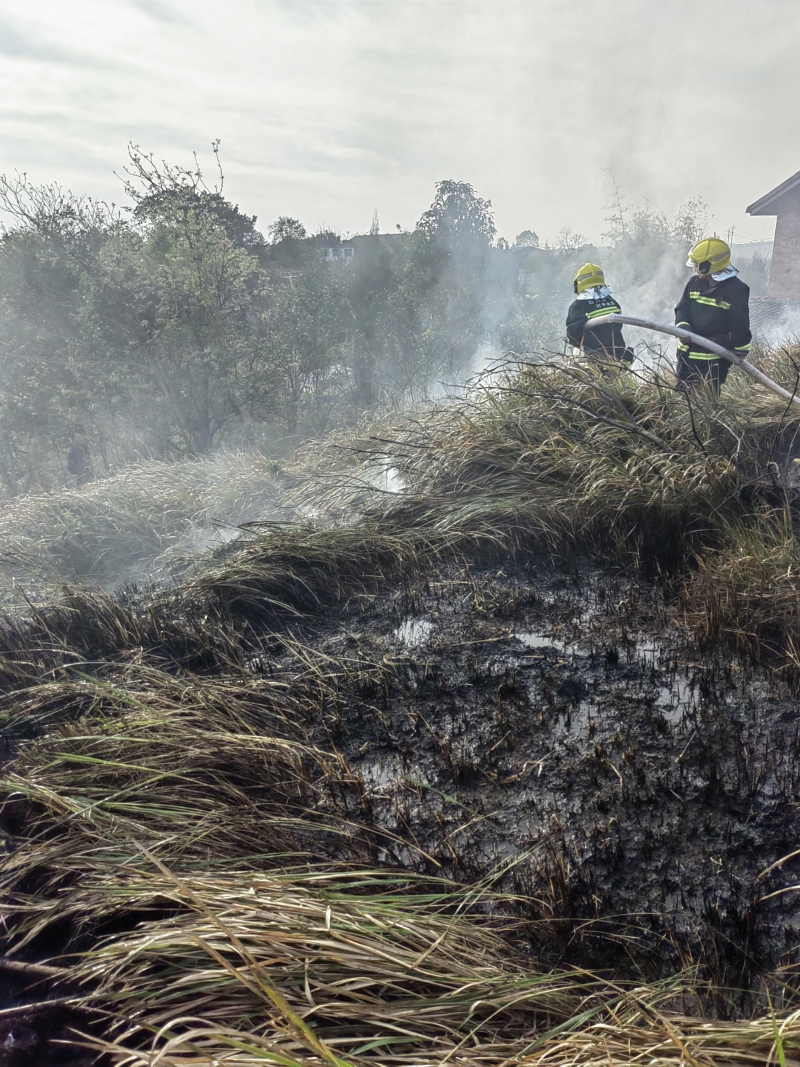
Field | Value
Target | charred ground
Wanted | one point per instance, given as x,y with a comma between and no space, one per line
540,697
556,727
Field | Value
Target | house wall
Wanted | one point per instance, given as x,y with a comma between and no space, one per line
784,275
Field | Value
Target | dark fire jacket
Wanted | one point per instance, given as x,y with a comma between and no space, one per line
719,311
604,341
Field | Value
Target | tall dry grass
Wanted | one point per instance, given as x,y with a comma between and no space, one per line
568,460
558,457
134,525
325,968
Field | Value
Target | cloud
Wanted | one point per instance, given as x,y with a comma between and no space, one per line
161,12
16,43
328,108
310,9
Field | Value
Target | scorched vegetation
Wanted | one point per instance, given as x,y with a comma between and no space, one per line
492,759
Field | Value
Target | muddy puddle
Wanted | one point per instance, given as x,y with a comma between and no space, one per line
562,733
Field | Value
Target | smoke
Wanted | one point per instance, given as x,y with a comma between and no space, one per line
775,325
653,297
485,363
141,525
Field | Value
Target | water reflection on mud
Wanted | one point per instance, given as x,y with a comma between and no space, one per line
414,632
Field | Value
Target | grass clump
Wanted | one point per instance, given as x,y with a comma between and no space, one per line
622,467
367,969
560,458
616,465
132,524
748,590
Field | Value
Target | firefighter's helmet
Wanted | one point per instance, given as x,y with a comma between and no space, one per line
710,256
587,277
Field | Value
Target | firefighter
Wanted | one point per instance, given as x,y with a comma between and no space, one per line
593,300
715,304
79,460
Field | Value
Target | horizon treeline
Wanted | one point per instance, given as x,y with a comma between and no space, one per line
171,327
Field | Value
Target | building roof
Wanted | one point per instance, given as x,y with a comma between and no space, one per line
768,205
360,238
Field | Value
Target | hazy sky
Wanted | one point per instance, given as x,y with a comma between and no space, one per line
328,109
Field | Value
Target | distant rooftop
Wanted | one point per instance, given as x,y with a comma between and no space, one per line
768,205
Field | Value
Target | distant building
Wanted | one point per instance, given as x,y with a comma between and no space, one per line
370,240
339,250
784,275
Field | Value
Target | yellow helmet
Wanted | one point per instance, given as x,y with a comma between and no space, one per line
587,277
710,256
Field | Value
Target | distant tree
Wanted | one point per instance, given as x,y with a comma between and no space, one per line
649,225
758,273
52,212
303,331
285,228
48,250
170,327
526,239
374,353
502,244
691,222
651,245
457,216
617,207
567,241
447,275
175,310
162,191
375,226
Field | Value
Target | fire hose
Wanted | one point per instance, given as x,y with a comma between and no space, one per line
705,344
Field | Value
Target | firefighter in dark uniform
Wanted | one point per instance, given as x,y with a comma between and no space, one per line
594,300
79,461
715,304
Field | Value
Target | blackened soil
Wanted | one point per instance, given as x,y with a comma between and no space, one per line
35,1027
560,731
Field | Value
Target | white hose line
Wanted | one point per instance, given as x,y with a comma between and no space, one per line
703,342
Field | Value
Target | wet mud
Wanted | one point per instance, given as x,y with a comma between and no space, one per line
558,731
554,732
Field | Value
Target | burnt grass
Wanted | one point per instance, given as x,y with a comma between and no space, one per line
553,728
545,727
